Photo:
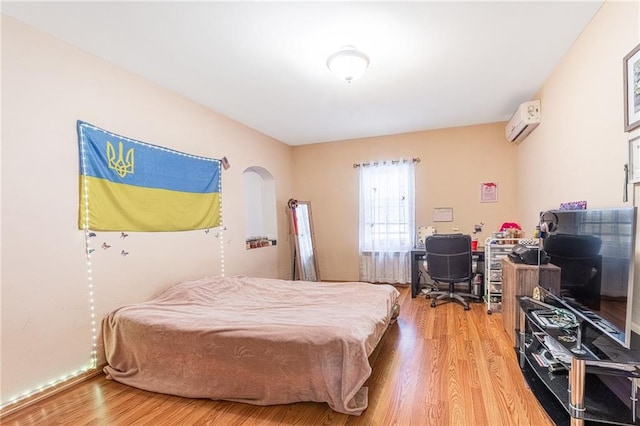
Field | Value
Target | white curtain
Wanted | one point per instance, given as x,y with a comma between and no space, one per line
387,221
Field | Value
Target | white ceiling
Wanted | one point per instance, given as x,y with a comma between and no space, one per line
433,64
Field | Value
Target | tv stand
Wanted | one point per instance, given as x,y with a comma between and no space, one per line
569,387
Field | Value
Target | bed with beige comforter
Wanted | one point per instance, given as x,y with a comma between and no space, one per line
252,340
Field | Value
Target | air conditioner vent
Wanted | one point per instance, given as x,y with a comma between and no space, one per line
526,118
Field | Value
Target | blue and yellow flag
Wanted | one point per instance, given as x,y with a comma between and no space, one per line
128,185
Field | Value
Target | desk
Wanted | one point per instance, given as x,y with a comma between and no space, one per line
418,255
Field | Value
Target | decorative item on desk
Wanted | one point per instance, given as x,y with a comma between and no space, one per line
424,232
509,225
537,233
474,242
512,231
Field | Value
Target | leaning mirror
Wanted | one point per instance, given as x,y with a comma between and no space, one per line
305,264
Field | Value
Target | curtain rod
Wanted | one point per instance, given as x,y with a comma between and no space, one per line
356,165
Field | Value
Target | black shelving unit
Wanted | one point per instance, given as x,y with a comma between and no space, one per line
602,406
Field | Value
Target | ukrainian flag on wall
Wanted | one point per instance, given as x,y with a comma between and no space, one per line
128,185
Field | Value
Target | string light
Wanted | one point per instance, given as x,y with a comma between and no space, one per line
92,311
94,346
34,392
222,228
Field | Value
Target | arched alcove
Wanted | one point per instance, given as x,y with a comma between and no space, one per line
261,226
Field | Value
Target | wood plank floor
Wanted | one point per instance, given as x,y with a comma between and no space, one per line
435,366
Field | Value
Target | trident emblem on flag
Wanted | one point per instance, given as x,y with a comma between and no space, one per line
121,166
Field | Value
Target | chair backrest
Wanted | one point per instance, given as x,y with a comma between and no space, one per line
448,257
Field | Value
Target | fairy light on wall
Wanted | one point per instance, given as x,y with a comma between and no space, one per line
34,393
92,310
93,358
38,392
225,164
89,251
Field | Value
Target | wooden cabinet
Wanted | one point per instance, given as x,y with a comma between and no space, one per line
519,280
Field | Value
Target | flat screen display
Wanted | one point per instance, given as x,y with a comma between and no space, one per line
595,250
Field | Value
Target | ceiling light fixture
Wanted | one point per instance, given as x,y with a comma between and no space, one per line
348,63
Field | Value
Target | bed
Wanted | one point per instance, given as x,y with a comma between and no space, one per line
252,340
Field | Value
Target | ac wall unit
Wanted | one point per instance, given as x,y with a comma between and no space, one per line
524,120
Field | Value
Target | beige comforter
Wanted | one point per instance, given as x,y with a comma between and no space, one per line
252,340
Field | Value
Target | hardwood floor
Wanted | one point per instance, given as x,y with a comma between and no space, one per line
435,366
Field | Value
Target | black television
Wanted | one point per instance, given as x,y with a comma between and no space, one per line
595,249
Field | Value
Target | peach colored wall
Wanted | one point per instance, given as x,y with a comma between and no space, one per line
579,150
46,86
453,164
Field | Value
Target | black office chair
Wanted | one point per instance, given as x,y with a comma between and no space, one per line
448,258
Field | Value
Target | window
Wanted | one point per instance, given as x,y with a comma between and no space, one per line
387,220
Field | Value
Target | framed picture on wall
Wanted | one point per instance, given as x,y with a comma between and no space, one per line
489,192
443,214
631,64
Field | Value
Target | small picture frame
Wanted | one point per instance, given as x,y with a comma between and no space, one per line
489,192
631,73
443,214
634,159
